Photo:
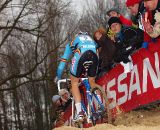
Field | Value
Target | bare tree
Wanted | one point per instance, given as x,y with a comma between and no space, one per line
32,35
31,32
95,14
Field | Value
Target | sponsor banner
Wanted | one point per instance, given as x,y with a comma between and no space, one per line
140,86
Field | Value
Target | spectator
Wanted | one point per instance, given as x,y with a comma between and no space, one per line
126,34
60,120
152,23
137,9
106,50
127,39
56,100
151,20
115,13
59,111
65,97
58,104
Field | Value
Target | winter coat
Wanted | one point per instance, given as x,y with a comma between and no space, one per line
127,40
107,50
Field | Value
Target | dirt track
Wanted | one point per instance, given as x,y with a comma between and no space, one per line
144,119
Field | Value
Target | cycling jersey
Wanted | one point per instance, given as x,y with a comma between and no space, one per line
81,44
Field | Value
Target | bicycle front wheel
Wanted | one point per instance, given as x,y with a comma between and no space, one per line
101,112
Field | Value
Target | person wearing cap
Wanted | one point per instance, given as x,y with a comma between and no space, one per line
115,13
56,100
137,9
58,103
127,39
125,33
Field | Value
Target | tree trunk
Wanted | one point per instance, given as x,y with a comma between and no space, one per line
47,99
38,112
17,109
1,128
4,108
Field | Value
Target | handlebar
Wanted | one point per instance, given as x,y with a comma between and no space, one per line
65,80
61,81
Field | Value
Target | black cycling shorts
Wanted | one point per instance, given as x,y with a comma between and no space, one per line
77,68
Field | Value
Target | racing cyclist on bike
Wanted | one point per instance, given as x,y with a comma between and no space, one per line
83,48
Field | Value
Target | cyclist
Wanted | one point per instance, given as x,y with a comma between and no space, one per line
83,48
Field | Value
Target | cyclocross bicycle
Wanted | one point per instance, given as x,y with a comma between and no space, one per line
94,102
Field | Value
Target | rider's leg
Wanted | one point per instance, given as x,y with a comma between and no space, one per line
93,84
76,93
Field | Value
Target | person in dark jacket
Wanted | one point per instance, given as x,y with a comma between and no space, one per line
127,40
106,49
114,12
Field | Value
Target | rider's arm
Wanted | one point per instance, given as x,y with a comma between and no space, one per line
63,61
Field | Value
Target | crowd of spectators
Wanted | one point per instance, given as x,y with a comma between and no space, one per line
128,35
